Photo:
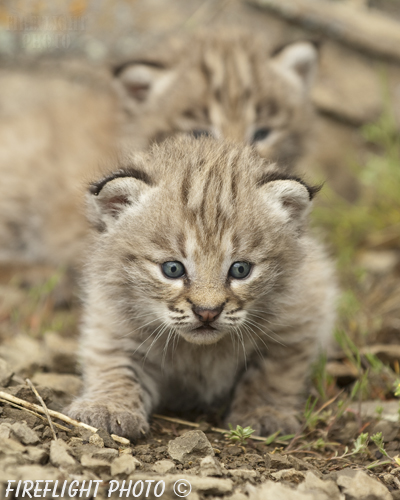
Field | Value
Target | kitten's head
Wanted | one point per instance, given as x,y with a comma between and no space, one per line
195,236
227,85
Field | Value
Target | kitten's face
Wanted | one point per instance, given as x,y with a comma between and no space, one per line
199,247
226,87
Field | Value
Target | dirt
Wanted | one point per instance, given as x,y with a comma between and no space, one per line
39,341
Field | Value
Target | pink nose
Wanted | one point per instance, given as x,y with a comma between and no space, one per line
207,315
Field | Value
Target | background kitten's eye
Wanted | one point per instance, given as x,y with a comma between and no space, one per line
261,133
173,269
201,133
240,270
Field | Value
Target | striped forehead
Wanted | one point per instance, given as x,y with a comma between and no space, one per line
229,73
209,193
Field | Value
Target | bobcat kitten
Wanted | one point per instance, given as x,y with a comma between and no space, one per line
203,287
230,84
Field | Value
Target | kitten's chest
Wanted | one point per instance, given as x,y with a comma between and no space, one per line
199,377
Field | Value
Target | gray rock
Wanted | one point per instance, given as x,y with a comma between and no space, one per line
210,485
238,495
254,459
96,440
190,446
10,446
6,374
234,451
362,487
209,466
79,449
289,475
327,487
24,434
37,455
125,464
59,455
390,410
279,491
201,485
165,466
390,480
108,454
5,430
302,465
244,473
277,461
389,430
97,465
37,472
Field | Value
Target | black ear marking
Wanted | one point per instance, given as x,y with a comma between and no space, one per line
96,187
280,176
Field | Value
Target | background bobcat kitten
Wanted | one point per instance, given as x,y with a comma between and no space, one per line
203,286
56,132
230,84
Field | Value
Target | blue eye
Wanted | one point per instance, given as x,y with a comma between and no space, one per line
240,270
173,269
261,134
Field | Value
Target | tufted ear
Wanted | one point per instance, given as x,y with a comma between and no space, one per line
142,80
110,197
298,60
289,195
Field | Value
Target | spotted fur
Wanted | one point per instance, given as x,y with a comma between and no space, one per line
145,345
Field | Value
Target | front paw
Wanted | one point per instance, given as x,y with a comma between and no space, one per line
265,420
116,419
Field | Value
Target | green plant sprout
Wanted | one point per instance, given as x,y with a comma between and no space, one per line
379,411
377,439
240,434
273,438
360,447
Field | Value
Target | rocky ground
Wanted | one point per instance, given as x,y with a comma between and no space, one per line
38,333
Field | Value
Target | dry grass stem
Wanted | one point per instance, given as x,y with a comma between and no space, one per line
46,411
192,424
55,414
59,426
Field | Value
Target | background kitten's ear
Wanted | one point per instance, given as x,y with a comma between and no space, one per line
291,196
299,60
141,80
111,196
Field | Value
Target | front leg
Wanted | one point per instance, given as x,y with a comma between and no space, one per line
269,394
118,396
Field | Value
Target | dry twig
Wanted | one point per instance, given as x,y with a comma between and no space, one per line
213,429
373,33
34,413
46,411
56,414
